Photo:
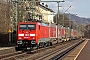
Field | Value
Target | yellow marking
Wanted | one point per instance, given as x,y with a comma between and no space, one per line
80,51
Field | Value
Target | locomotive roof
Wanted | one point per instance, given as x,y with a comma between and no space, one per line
43,24
29,22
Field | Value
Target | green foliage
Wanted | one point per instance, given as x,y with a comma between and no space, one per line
87,31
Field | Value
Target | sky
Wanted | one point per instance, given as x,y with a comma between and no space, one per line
79,7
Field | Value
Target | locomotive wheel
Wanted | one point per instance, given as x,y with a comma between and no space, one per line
50,44
17,48
46,44
43,44
37,46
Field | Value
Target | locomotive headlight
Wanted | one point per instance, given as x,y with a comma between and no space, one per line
20,34
19,42
32,34
33,42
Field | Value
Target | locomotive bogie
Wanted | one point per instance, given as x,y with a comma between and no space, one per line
27,43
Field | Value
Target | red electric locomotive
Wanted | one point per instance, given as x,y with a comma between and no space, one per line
30,34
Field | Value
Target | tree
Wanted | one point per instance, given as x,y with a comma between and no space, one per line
87,31
4,16
63,20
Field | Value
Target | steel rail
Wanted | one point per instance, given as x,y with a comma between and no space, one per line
63,50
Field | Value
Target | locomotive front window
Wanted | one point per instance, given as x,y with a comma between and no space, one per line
31,27
23,27
27,27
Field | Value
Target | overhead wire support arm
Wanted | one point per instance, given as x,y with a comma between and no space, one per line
68,8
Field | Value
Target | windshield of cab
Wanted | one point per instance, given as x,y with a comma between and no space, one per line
27,27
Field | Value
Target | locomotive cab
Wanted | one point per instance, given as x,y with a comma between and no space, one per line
26,35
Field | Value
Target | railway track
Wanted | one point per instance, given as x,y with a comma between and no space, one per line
37,53
55,55
65,51
10,54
